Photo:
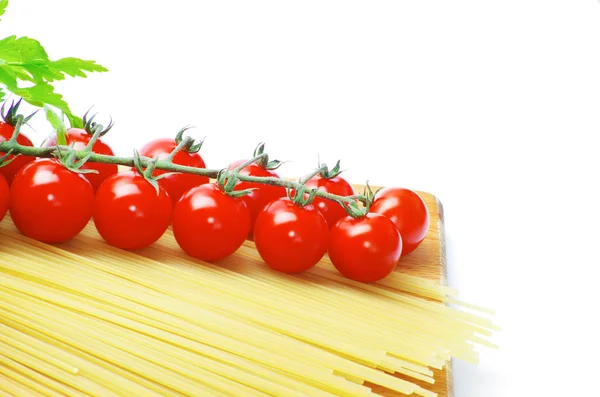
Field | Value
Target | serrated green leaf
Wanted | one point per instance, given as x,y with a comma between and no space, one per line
57,124
43,94
76,67
41,72
3,4
21,50
8,77
2,94
31,50
23,59
22,73
74,121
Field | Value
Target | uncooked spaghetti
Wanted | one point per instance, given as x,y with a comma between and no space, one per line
84,318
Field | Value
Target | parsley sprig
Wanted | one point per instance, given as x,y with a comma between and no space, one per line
27,71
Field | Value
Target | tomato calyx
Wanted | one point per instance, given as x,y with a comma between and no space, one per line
227,181
330,174
368,196
263,161
10,116
68,159
189,146
148,171
302,196
93,128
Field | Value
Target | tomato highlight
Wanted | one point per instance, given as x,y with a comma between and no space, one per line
290,238
365,249
409,213
210,225
129,213
50,203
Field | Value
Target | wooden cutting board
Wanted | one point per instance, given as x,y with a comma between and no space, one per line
429,261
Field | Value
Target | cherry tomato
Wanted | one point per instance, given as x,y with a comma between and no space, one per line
178,183
129,213
9,171
262,194
4,196
331,210
50,203
409,213
208,224
290,238
365,249
80,138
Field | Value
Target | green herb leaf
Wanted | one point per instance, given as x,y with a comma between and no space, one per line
21,50
29,60
8,77
74,121
43,94
57,124
76,67
24,60
3,4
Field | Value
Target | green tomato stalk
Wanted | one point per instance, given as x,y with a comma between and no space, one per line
74,159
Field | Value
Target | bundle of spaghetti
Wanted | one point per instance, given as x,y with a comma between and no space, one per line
84,318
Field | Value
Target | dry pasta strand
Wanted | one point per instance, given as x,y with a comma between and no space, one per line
84,318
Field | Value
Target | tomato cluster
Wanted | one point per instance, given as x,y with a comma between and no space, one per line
131,210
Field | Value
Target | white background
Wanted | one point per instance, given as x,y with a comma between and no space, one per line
490,105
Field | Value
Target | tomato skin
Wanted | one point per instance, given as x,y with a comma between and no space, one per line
331,210
176,184
409,213
365,249
208,224
128,212
49,203
262,195
9,171
290,238
4,196
80,139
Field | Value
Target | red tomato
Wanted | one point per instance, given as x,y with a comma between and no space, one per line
262,195
331,210
208,224
9,171
365,249
80,138
409,213
129,213
179,183
49,203
4,196
290,238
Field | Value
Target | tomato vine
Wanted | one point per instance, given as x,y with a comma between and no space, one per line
74,159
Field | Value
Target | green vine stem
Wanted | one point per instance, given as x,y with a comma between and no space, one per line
311,175
185,142
15,148
246,163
